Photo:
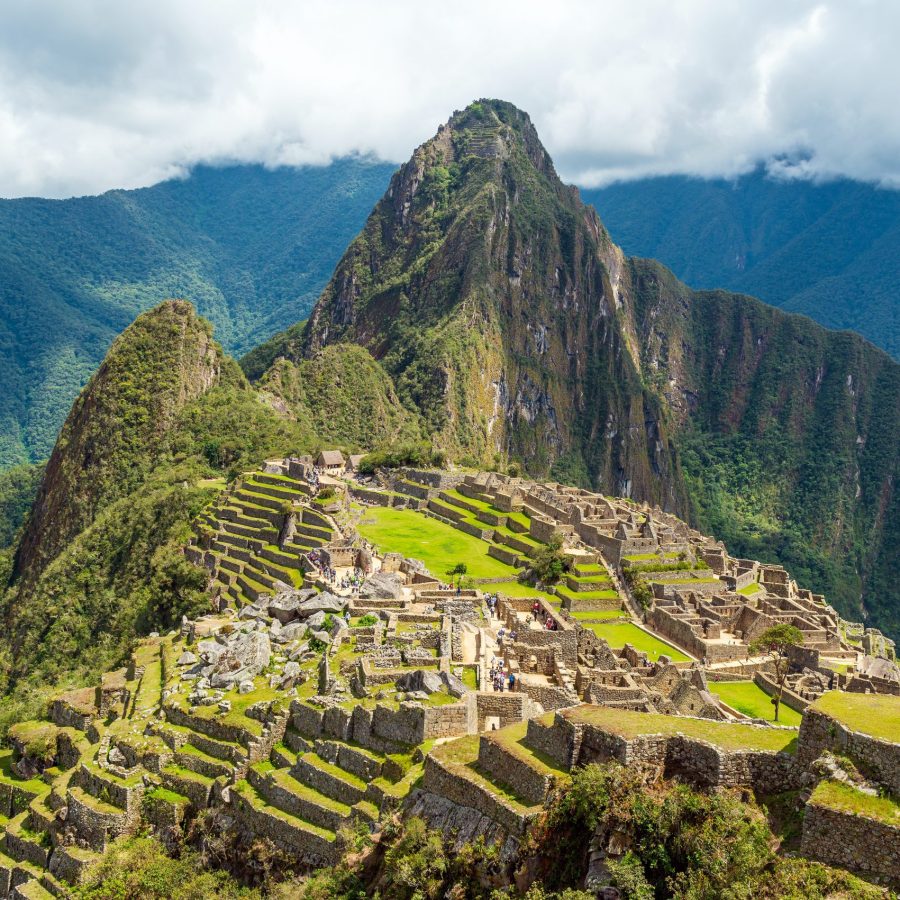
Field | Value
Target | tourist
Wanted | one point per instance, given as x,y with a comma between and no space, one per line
512,681
536,610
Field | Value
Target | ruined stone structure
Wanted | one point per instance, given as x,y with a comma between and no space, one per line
303,701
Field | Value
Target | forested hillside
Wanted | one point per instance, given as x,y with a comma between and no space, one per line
250,247
830,251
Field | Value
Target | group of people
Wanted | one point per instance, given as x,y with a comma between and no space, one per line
512,634
501,679
491,600
537,611
353,580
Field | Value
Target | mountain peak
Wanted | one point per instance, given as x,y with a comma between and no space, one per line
118,425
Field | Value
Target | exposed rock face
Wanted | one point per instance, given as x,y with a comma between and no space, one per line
118,426
491,293
515,326
237,658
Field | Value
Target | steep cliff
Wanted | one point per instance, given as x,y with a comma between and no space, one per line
118,427
509,319
489,293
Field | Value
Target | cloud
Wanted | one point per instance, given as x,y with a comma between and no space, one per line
102,94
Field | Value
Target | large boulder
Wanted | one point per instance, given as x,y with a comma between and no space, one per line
286,605
382,586
243,656
429,682
325,602
455,686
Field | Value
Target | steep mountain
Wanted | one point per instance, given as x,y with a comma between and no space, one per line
490,294
509,319
166,420
828,250
119,426
345,395
251,247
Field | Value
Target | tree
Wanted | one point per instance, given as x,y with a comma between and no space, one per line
549,563
458,571
775,642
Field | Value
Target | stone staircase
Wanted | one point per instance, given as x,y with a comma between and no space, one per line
241,537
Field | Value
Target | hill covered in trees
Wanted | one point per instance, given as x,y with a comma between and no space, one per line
250,247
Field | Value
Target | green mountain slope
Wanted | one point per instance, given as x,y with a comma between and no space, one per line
830,251
487,291
252,248
505,314
163,424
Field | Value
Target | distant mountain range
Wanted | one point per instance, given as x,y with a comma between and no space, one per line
252,248
830,251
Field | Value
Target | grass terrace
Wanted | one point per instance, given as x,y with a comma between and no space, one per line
751,700
877,715
727,735
618,634
749,589
436,544
564,591
844,798
600,615
517,589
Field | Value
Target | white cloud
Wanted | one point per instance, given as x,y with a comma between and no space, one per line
102,94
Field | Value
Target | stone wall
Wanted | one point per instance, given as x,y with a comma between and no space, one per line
560,739
452,783
529,783
508,708
879,760
863,845
788,697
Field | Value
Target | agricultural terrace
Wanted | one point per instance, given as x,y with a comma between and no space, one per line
435,543
727,735
618,634
877,715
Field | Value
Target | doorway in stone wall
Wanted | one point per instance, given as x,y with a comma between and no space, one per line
491,723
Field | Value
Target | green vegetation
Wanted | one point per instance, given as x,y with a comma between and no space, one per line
402,455
18,487
618,634
252,247
139,869
776,642
549,563
429,540
827,250
846,798
877,715
346,397
682,844
727,735
747,698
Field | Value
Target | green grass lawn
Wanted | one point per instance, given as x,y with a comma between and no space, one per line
747,698
437,545
598,615
843,797
877,715
516,589
619,634
727,735
749,590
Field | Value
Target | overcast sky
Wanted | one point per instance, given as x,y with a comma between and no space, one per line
97,94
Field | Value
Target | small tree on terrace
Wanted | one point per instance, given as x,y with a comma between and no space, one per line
549,563
457,572
775,642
